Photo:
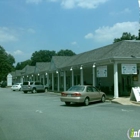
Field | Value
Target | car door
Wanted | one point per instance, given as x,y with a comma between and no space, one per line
97,93
92,95
37,86
40,86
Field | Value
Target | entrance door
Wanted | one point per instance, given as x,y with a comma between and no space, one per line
126,85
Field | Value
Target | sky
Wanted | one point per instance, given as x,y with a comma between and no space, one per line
27,26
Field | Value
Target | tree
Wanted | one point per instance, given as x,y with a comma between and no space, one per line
65,53
125,36
42,56
21,65
6,63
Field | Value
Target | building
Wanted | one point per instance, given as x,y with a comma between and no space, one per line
113,68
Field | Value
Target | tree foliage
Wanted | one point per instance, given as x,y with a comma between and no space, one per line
42,56
21,65
46,55
65,53
6,63
126,36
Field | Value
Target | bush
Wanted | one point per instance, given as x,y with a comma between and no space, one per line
4,84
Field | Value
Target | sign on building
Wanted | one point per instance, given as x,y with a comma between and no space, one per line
102,71
129,68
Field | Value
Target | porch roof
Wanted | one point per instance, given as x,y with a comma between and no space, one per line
122,49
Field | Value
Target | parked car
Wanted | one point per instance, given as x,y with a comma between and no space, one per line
82,94
16,86
33,86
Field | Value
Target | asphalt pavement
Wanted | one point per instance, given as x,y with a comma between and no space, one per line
42,116
119,100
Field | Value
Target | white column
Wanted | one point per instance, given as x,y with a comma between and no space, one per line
94,76
52,81
43,79
72,72
58,86
81,69
48,81
21,79
116,80
64,80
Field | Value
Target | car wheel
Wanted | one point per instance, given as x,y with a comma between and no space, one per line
86,102
25,91
34,90
67,103
103,98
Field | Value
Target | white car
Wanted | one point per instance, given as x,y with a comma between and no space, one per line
16,86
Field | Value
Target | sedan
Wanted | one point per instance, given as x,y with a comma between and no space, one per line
16,86
82,94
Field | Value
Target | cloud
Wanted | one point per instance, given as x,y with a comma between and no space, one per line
18,52
125,11
89,36
69,4
88,4
11,35
108,34
74,43
33,1
7,35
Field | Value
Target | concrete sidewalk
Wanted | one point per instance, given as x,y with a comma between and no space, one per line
125,101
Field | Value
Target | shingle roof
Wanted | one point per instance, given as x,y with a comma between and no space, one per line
42,66
58,61
28,69
120,49
18,72
13,73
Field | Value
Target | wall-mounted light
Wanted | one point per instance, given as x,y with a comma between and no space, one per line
71,69
27,75
46,73
94,65
32,75
81,67
38,74
57,72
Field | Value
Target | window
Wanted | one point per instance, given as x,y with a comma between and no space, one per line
94,89
37,83
89,89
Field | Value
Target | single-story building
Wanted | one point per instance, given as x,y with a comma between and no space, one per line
113,68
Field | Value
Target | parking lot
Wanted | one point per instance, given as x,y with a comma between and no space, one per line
42,116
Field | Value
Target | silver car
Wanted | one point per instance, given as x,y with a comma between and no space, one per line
82,94
33,86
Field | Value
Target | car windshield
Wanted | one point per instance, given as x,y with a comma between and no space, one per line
76,88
